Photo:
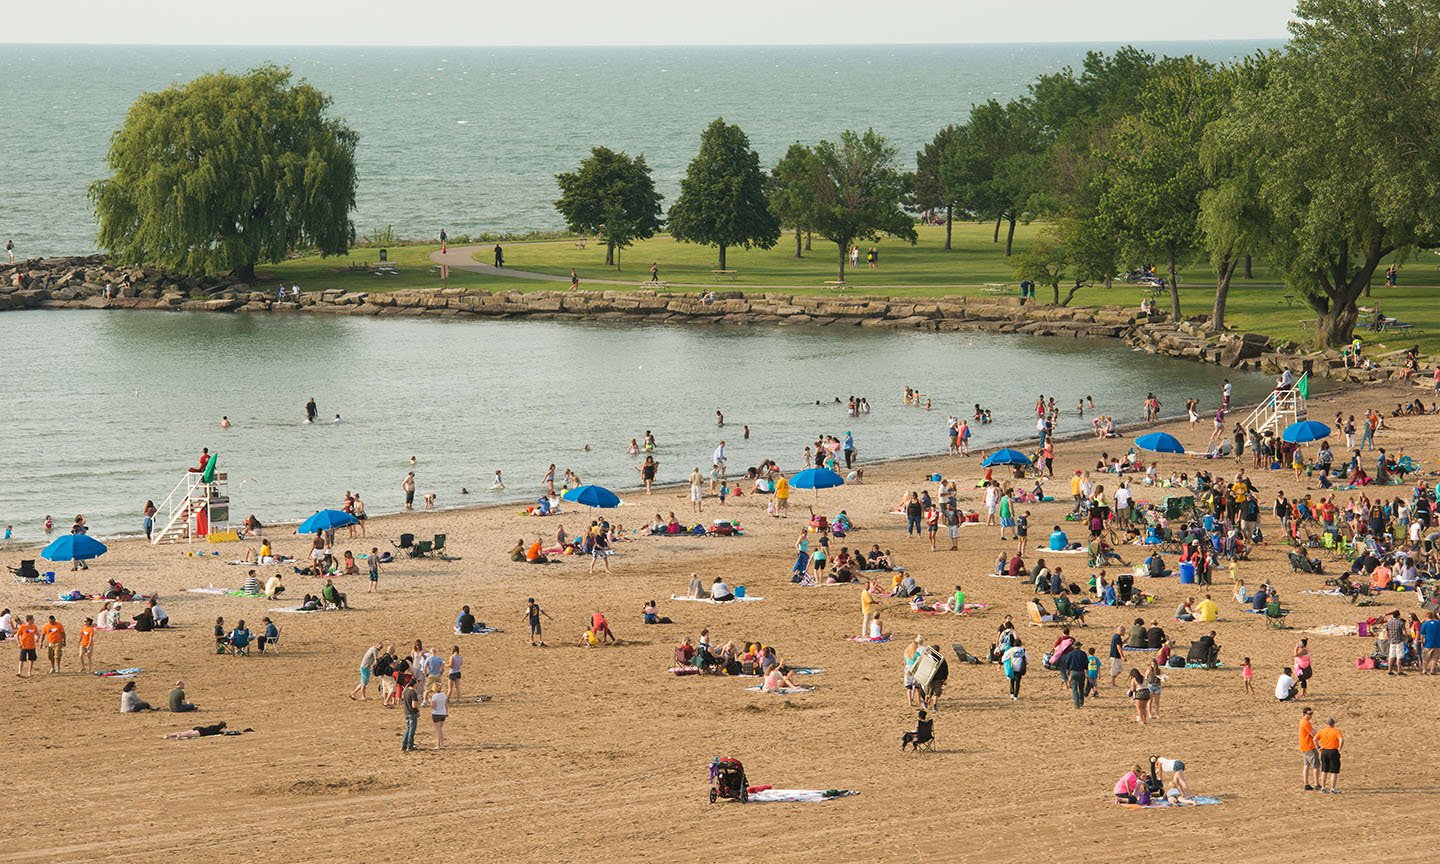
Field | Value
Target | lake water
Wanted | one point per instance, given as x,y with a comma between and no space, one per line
471,138
105,409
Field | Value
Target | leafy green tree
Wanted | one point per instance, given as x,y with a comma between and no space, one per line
722,199
226,172
1151,191
1076,251
792,191
859,191
991,166
613,195
929,189
1343,144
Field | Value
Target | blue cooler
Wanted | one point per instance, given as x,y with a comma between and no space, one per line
1187,573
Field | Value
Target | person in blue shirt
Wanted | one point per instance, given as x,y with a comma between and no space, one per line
849,448
1058,539
1430,642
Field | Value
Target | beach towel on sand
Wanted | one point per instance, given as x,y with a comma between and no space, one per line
771,796
708,600
1198,801
867,639
783,691
298,610
120,673
1335,630
479,631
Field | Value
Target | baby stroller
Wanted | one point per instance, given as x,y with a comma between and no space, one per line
727,780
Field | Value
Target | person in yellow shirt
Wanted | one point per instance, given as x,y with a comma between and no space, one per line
782,494
1206,610
87,645
867,609
53,633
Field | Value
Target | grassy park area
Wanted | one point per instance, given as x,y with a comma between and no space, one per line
923,270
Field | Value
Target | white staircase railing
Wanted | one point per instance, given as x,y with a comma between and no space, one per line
1281,407
182,507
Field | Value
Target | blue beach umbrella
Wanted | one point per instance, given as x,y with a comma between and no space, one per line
73,547
1005,456
1305,431
326,520
816,478
1160,442
593,496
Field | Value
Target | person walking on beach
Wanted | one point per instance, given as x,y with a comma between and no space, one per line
452,666
574,281
54,635
532,615
27,636
1331,741
87,645
647,473
1117,655
444,240
149,518
367,668
408,485
439,713
410,702
374,564
1012,662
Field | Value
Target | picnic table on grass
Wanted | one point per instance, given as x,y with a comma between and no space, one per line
997,288
836,285
655,284
386,269
717,275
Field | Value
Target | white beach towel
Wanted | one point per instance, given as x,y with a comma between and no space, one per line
745,599
806,796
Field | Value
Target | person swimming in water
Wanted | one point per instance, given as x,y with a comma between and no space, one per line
311,410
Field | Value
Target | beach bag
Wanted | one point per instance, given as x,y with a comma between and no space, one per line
1177,662
1364,662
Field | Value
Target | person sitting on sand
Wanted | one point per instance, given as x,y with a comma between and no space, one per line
517,552
877,631
1128,787
534,554
348,565
130,701
650,614
178,703
696,589
333,596
1186,610
251,585
877,560
1135,638
779,679
720,592
465,624
273,588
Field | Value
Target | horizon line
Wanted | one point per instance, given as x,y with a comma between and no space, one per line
1032,42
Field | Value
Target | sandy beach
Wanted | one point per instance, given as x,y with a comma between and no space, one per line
601,754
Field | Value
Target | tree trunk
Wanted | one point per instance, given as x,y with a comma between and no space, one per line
844,247
807,241
1222,293
1055,289
949,224
609,253
245,273
1174,286
1336,327
996,238
1248,273
1010,236
798,242
722,256
1079,283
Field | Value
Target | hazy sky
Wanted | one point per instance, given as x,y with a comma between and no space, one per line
638,22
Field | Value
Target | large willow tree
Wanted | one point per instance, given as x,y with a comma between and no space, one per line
226,172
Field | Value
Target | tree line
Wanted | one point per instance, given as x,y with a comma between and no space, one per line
1321,159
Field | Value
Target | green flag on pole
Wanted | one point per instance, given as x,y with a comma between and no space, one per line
209,475
1303,388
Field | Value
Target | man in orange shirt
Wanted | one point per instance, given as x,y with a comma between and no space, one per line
28,636
1329,740
1309,754
87,645
54,635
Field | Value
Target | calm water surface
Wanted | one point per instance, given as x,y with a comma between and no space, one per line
104,409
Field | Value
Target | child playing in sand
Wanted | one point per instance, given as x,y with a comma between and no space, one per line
1247,674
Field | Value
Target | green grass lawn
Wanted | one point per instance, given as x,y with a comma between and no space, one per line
923,270
317,273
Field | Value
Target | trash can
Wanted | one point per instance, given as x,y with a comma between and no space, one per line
384,255
1187,573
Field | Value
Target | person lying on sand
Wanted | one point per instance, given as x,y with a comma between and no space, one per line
205,731
779,678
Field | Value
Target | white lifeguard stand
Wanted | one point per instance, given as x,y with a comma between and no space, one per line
196,507
1281,407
